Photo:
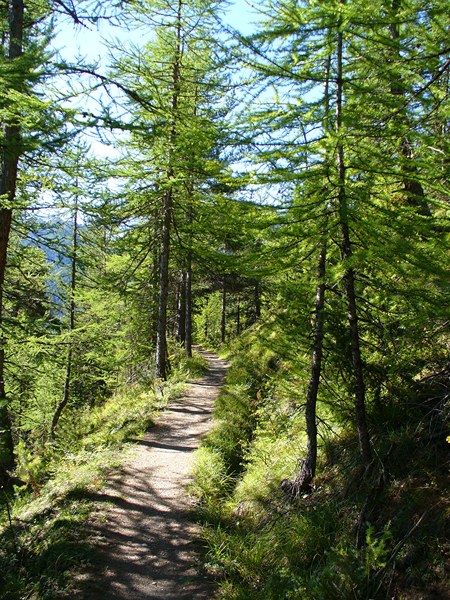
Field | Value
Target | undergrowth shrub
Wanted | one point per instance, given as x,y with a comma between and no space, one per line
184,367
360,534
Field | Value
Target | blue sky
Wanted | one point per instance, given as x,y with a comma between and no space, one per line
92,44
80,41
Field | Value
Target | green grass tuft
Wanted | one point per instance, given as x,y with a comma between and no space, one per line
359,535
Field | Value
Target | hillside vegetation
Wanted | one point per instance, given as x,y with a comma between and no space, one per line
360,532
283,195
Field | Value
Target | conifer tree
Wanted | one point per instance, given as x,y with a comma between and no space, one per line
175,142
32,122
72,312
12,16
367,151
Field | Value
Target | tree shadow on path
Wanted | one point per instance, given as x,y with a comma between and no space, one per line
145,541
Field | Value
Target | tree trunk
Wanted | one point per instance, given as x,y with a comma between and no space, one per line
161,370
223,321
414,192
349,277
154,276
180,312
9,160
308,470
188,317
188,302
73,284
161,340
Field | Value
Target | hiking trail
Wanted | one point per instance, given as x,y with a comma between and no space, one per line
142,528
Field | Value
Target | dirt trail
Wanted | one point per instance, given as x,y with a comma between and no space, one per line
146,541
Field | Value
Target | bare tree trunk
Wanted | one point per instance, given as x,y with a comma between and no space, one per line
180,312
73,284
305,477
188,318
223,321
161,340
9,160
154,276
349,277
188,299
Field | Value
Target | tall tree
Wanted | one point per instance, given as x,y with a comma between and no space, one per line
72,311
167,205
322,74
175,144
13,34
30,122
368,151
349,285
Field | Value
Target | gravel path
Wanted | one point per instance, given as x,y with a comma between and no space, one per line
146,541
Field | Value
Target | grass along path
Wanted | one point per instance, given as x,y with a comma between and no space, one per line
141,527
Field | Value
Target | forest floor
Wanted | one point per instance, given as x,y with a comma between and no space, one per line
145,540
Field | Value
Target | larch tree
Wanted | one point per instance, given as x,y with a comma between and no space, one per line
339,131
74,266
174,147
12,20
25,122
32,121
301,54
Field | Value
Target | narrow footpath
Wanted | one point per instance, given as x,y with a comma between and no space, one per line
143,530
